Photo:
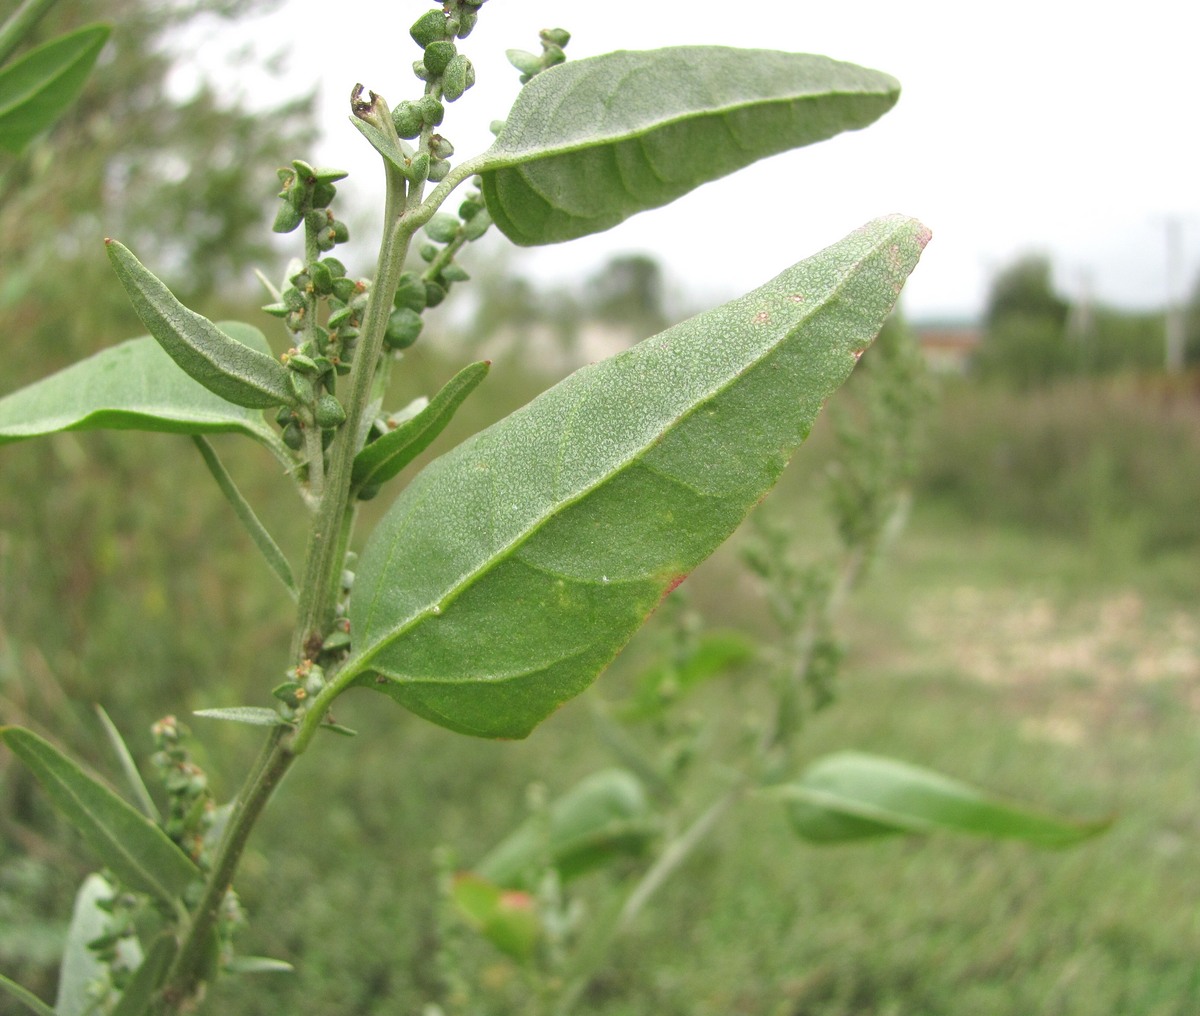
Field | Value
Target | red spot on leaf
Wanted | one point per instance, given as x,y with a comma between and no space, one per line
674,585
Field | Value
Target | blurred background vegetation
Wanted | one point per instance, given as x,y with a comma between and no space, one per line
1034,630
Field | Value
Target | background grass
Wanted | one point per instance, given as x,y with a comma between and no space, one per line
1034,630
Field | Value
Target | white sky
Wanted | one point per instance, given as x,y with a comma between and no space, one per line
1056,126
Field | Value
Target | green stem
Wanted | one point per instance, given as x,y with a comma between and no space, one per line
20,23
187,971
620,921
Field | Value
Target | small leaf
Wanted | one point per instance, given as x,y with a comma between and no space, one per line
276,559
664,685
603,817
255,716
507,918
384,145
591,142
128,766
511,570
382,459
223,365
140,993
36,89
854,796
131,386
137,851
26,997
258,965
80,965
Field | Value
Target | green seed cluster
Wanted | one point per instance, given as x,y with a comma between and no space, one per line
191,810
447,74
322,352
553,41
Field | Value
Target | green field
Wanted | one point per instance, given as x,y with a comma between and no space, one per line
1059,667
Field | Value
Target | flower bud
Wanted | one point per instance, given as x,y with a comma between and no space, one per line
455,273
343,288
440,147
329,412
429,27
432,111
410,292
407,120
293,436
303,364
438,168
442,228
525,62
287,218
418,167
477,225
438,56
467,20
322,278
404,328
458,76
434,294
420,70
555,36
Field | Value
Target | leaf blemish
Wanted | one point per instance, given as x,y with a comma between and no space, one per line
762,317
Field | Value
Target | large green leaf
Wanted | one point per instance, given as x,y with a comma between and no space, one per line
854,796
591,142
37,88
511,570
604,816
131,386
137,851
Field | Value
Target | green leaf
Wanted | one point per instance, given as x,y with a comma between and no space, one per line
258,965
507,918
226,367
384,145
26,997
664,685
137,851
276,559
131,386
511,570
255,716
603,817
382,459
591,142
80,965
128,766
36,89
854,796
140,993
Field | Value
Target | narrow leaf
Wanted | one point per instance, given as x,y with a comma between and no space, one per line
131,386
140,993
26,997
604,816
511,570
255,716
128,766
258,965
137,851
591,142
382,459
224,366
275,558
36,89
853,796
80,965
383,144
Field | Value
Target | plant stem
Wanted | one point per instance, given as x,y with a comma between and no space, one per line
188,970
20,23
669,861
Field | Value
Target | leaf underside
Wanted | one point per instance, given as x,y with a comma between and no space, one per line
591,142
854,796
508,574
131,386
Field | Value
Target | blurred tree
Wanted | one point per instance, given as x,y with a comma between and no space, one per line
1191,326
1025,334
628,291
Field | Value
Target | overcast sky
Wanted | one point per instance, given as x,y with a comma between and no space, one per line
1029,125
